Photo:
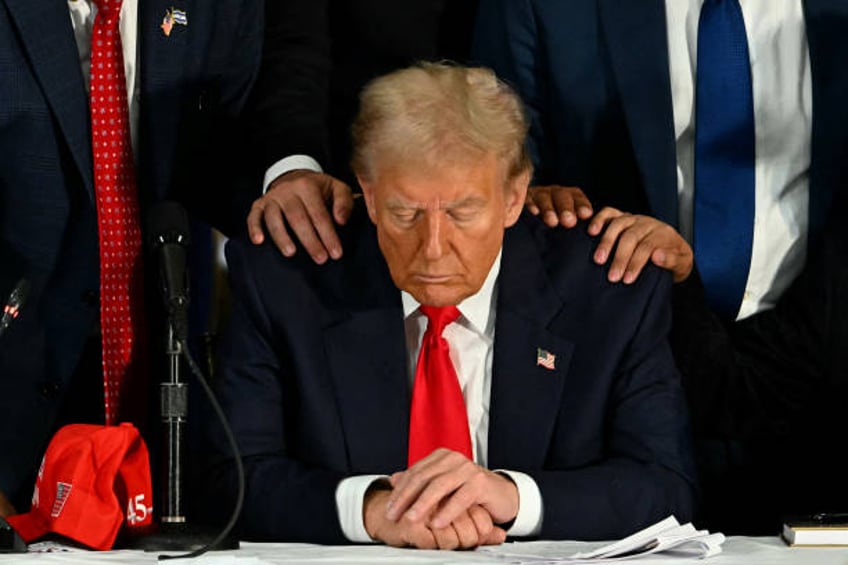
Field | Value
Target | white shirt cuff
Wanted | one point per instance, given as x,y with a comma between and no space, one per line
528,522
350,495
290,163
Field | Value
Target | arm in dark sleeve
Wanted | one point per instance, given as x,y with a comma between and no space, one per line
212,175
289,101
647,471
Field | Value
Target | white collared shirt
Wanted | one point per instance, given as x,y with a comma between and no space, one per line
471,341
82,19
782,91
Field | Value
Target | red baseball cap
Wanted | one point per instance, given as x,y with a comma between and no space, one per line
92,479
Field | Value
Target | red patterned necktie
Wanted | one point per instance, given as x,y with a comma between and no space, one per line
437,416
121,274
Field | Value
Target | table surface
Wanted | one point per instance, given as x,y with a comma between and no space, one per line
736,550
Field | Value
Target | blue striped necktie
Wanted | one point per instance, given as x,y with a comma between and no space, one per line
724,156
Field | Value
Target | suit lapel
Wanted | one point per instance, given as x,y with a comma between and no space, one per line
163,72
525,396
825,26
373,390
57,67
366,352
638,48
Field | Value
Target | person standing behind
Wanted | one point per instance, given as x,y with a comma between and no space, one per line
724,119
108,107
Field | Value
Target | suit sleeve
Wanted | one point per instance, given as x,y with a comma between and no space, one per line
507,39
289,104
211,176
646,472
286,499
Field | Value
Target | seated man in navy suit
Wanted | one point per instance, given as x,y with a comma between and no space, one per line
547,404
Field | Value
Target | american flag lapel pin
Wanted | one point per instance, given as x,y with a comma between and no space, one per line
173,17
545,359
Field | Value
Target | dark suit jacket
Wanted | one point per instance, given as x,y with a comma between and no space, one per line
594,76
313,378
193,85
318,54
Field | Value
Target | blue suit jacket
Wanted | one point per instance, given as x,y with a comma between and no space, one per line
595,80
193,83
313,378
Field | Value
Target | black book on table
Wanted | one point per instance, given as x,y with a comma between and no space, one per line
825,528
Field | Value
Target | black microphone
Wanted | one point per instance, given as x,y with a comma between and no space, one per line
169,237
168,230
12,307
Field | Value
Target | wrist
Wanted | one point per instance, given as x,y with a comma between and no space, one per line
511,499
374,506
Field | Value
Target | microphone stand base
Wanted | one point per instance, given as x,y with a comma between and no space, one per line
182,537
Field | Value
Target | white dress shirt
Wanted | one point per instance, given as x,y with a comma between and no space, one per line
82,20
471,341
782,91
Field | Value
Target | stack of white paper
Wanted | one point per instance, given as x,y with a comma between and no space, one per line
666,535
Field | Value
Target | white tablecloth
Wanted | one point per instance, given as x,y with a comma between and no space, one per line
736,550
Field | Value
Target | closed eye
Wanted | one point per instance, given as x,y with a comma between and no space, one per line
406,216
465,213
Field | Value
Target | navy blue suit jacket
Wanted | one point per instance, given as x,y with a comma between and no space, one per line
193,84
594,77
313,378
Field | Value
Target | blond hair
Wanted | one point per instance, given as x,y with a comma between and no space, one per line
434,114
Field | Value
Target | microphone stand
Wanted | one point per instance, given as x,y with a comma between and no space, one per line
173,408
170,229
174,532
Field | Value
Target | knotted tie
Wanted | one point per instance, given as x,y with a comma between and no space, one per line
121,274
437,415
724,156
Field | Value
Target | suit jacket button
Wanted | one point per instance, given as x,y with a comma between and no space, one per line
90,298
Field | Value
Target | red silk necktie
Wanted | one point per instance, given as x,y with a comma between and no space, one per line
437,416
121,274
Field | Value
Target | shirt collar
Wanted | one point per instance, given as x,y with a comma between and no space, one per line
477,308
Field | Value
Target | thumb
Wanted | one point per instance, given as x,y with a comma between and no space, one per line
496,537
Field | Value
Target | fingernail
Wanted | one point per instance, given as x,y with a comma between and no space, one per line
568,218
629,278
584,212
438,523
288,250
600,256
335,253
615,275
411,515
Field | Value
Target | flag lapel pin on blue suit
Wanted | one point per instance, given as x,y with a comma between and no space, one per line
173,17
545,359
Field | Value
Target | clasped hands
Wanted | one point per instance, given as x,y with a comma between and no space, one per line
444,501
